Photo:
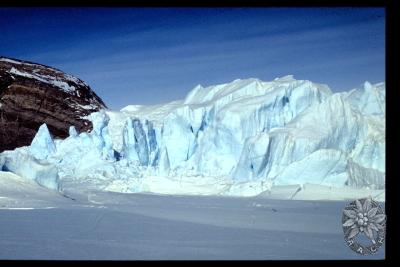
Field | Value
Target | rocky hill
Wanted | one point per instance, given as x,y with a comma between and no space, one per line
32,94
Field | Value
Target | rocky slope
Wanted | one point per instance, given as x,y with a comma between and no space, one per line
32,94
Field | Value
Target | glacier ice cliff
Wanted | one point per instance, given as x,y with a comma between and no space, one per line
244,134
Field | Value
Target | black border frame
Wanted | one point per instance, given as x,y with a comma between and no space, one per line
392,90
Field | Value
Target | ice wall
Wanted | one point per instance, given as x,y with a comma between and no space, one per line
282,132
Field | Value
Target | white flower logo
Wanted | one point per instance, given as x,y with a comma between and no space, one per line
364,218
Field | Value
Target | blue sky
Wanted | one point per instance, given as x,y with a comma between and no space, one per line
155,55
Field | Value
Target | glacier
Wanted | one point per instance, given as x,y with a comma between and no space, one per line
240,138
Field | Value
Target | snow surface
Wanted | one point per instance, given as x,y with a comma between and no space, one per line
86,224
50,79
240,138
10,61
44,78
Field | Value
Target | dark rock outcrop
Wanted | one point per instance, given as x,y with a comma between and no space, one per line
32,94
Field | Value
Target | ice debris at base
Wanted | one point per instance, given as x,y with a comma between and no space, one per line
26,165
240,138
42,144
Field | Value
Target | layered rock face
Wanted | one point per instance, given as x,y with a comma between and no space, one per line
32,94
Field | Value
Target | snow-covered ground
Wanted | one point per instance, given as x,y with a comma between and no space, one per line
39,223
